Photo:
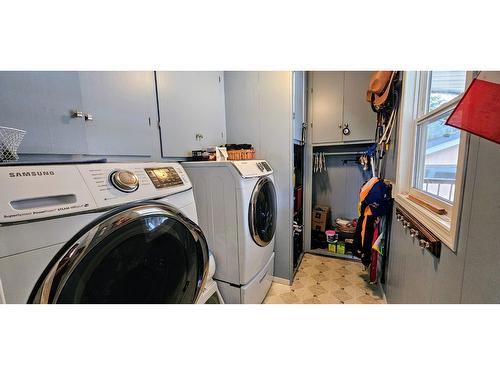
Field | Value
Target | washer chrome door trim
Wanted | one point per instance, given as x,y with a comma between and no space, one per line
263,181
58,272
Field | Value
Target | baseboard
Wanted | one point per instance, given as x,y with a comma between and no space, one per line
280,280
382,291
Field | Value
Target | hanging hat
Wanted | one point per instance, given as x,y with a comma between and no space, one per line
379,87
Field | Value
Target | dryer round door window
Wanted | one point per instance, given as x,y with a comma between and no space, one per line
262,212
148,253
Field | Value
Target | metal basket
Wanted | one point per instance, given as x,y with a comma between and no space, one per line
10,139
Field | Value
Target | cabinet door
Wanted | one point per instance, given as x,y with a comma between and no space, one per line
298,107
123,110
41,103
192,114
327,98
358,115
241,91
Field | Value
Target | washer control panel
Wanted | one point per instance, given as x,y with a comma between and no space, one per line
119,183
163,177
30,192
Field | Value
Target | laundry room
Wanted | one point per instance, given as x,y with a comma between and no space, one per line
167,179
303,211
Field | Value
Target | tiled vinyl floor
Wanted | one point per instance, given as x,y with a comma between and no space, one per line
326,280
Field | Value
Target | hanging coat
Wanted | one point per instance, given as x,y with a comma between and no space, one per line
374,200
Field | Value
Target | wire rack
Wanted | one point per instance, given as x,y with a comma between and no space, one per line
10,139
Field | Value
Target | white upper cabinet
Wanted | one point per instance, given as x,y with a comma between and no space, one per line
96,113
358,114
42,104
192,114
242,107
338,102
327,102
120,113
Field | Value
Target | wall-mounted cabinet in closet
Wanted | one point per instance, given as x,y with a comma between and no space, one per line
339,111
96,113
192,113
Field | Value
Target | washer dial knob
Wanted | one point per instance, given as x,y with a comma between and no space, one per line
125,181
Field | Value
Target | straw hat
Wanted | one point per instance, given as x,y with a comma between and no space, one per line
379,87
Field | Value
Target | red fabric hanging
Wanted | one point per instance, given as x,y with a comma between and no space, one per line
478,112
374,255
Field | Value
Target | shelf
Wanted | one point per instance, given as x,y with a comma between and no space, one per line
327,253
355,143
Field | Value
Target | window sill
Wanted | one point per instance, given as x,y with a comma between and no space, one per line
439,225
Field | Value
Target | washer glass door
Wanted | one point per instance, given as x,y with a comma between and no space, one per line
147,253
262,212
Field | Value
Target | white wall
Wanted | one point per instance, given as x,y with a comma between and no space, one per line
259,111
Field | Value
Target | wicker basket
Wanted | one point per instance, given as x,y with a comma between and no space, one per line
241,154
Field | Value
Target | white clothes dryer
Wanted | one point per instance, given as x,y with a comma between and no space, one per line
101,233
237,205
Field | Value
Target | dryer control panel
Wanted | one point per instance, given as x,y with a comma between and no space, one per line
253,168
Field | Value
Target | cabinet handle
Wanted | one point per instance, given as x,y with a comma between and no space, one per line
346,130
89,117
76,114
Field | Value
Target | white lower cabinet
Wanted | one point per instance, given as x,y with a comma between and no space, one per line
191,108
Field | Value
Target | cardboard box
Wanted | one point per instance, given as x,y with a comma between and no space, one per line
320,217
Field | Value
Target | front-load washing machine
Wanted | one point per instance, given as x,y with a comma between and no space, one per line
101,233
237,208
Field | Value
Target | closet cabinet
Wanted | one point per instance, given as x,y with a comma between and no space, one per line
298,105
338,102
191,108
119,112
43,104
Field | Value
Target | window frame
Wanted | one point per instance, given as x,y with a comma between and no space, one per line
411,115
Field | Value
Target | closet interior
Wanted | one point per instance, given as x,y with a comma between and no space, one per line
341,136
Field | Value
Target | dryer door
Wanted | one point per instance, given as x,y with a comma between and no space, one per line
262,212
141,253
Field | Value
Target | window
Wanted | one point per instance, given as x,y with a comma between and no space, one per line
431,155
437,145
